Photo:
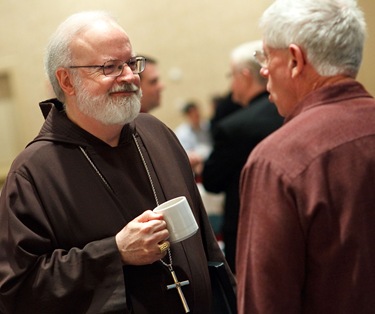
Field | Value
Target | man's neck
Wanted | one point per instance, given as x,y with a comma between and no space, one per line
109,134
253,92
312,81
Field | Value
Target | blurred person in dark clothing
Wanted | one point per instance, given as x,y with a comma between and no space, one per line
235,136
222,106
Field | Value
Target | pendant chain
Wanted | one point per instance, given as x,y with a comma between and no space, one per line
95,168
155,196
148,172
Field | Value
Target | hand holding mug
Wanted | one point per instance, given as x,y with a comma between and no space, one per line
139,241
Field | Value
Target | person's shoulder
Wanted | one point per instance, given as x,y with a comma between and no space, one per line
249,117
232,119
290,149
36,154
149,125
148,121
262,106
274,152
144,117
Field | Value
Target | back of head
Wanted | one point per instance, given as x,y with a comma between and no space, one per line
58,52
191,112
149,60
331,32
243,57
188,107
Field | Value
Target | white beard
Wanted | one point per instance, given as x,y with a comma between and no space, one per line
107,110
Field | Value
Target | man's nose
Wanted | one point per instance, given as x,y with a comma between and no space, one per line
264,72
127,74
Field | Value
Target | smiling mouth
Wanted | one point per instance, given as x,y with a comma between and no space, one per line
123,92
130,88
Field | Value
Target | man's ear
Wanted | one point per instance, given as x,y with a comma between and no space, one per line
65,81
298,60
247,74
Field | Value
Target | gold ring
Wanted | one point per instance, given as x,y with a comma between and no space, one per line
164,246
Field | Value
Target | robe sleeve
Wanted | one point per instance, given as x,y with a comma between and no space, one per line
34,269
213,251
271,252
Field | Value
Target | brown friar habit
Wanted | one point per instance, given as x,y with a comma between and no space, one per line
67,195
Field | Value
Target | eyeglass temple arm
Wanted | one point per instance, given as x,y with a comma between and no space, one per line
86,66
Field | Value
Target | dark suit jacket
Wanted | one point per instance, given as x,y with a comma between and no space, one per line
234,138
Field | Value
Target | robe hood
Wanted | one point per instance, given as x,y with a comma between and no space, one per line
57,128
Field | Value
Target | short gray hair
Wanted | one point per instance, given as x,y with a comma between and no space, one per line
58,52
243,57
331,32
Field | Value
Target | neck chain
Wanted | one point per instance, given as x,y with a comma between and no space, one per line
155,196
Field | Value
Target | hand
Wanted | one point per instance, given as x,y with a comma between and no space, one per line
138,241
196,162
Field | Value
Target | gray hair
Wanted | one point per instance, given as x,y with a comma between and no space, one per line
58,52
332,33
243,57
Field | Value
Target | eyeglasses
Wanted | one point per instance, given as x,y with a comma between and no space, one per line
261,58
114,68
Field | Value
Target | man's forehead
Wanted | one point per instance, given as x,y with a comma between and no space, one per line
102,31
106,41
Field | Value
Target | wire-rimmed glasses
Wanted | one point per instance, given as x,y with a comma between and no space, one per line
261,58
114,68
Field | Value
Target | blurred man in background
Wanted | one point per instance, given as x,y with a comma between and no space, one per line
151,86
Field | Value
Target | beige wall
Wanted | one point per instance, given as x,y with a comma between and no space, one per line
191,38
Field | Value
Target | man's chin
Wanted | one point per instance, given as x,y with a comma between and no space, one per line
128,119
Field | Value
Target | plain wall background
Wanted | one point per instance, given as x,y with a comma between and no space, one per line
191,39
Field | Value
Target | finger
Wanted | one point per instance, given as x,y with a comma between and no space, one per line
160,236
149,215
152,233
158,225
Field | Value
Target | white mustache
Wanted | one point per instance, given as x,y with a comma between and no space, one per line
125,88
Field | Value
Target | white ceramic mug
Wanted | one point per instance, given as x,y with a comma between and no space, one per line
180,220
